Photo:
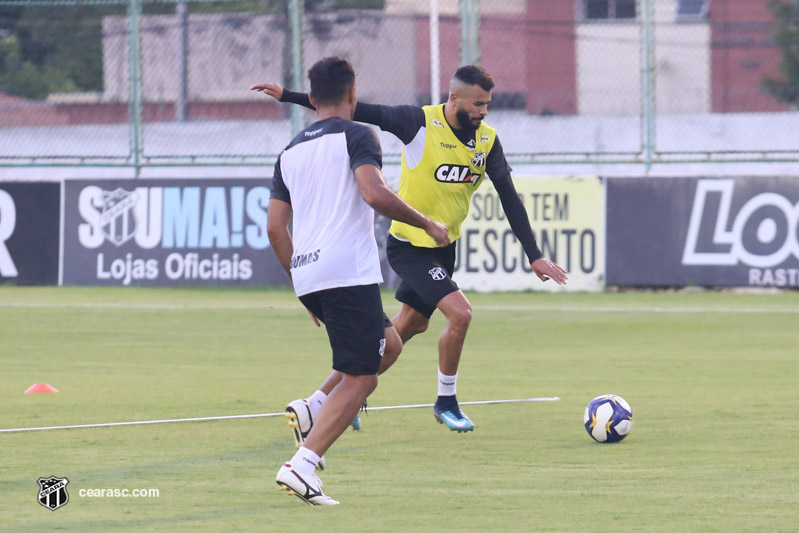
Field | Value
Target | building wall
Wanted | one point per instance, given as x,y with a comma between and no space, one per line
551,57
609,55
683,67
381,48
743,52
452,7
608,68
229,53
542,58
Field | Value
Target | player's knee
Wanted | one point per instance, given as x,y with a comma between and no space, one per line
392,350
369,384
461,317
408,327
418,326
365,383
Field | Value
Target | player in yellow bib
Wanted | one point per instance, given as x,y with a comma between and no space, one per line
448,152
441,182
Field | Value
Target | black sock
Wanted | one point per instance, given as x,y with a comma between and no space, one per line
447,402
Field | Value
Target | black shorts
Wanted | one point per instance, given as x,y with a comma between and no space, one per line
355,323
426,273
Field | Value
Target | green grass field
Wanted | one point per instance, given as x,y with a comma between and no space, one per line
713,380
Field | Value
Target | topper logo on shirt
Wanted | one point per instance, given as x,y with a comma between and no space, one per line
456,174
313,132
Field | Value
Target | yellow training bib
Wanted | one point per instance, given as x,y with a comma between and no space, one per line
445,175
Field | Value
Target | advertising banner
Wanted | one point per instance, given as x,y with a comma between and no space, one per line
168,232
568,219
707,232
29,222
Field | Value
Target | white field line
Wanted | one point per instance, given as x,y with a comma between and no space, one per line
262,415
642,309
478,307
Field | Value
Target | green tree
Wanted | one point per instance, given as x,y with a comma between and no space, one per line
24,78
786,35
59,48
50,49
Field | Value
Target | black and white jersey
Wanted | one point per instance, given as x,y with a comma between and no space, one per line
332,226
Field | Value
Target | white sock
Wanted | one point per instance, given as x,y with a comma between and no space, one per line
447,384
304,461
316,400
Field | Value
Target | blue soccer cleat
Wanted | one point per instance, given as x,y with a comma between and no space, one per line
451,415
356,422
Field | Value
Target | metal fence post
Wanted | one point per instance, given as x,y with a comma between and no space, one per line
435,55
648,82
470,31
181,101
135,103
296,10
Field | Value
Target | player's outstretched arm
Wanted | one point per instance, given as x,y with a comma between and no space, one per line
283,95
272,89
520,224
377,194
403,121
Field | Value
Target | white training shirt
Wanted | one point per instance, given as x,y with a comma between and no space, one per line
332,227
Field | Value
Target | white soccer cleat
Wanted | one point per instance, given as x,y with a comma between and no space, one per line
300,419
306,488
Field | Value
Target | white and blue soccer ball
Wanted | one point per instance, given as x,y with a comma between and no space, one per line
608,418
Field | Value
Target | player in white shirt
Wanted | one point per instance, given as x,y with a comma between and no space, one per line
329,181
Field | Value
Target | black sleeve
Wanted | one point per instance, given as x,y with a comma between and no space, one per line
296,98
403,121
517,216
363,147
279,190
496,164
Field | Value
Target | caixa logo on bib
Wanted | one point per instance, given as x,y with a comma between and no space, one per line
762,233
456,174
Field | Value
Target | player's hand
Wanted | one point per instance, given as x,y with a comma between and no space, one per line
272,89
546,269
438,232
313,317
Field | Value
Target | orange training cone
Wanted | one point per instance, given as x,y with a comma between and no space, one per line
37,388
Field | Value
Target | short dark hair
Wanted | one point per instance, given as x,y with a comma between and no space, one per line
331,78
475,75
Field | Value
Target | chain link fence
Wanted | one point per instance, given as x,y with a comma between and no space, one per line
146,83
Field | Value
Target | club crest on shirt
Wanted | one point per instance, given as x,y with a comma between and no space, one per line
479,159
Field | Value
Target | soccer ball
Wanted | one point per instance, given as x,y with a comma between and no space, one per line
608,418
